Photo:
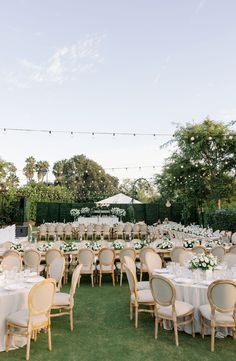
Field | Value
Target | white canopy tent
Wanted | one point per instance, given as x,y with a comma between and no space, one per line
119,198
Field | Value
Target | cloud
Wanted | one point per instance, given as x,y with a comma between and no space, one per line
64,64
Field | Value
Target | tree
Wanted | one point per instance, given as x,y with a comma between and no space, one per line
202,169
42,168
86,179
141,189
30,168
8,177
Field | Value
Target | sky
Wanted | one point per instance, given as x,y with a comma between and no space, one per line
138,66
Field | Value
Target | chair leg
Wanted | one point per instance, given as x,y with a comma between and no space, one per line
212,338
121,278
92,280
7,337
100,279
49,338
131,311
113,279
28,345
136,316
193,326
202,326
71,320
156,327
176,333
141,274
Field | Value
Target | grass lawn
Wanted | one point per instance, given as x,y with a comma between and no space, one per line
103,332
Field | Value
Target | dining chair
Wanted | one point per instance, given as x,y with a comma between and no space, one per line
232,249
28,322
221,310
141,266
168,308
63,303
86,258
230,260
50,255
152,261
127,251
32,259
56,271
12,261
106,258
137,297
176,252
199,250
219,252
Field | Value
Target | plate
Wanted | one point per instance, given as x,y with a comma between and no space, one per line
34,279
161,270
183,280
14,287
206,282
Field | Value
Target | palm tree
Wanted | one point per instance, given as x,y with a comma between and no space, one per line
30,168
42,168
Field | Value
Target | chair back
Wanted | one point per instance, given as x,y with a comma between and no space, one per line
11,262
32,258
152,261
131,277
222,296
199,250
10,252
56,270
219,252
232,249
163,290
74,280
130,262
86,257
230,259
41,297
233,238
51,254
175,253
129,252
143,252
106,257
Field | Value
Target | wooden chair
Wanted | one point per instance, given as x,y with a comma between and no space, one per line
63,303
141,266
42,232
106,258
199,250
106,231
56,271
219,252
167,308
32,259
152,261
176,252
90,231
12,261
137,297
232,249
36,317
221,310
86,258
128,251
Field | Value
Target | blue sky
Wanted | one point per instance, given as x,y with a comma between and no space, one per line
106,65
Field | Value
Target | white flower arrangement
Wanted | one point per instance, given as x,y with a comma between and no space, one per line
137,245
93,245
85,210
45,247
165,245
118,212
118,245
17,247
210,243
189,243
145,242
75,213
69,247
203,262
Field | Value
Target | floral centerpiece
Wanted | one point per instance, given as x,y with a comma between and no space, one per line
118,212
138,245
203,262
210,243
17,247
85,211
69,247
146,242
117,245
75,213
93,245
45,247
189,243
165,245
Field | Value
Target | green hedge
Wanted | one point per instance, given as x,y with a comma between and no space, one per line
149,213
223,219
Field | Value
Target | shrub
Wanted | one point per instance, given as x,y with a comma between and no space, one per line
223,219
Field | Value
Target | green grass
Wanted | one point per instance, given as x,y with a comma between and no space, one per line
103,332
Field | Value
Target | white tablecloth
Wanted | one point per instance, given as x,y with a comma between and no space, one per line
96,220
8,234
11,301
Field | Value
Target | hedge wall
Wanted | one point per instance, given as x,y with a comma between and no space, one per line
223,219
149,213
